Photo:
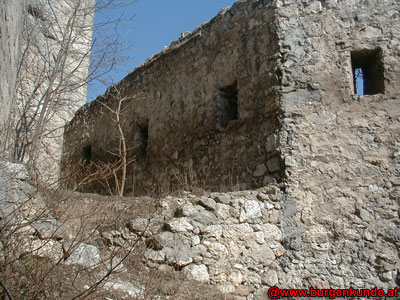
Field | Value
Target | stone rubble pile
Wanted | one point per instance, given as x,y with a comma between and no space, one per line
36,231
229,239
238,241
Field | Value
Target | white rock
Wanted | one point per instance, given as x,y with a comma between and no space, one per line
237,231
269,277
84,255
188,210
272,232
212,231
218,250
260,237
124,287
155,256
235,277
195,240
261,253
207,203
197,272
290,161
223,211
226,288
179,225
268,205
48,248
179,257
251,211
17,171
313,7
139,225
370,32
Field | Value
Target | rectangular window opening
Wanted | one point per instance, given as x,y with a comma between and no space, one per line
141,143
87,154
367,67
227,105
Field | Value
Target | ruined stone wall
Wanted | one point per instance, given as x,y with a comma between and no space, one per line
231,240
11,24
51,48
72,19
203,111
341,150
333,222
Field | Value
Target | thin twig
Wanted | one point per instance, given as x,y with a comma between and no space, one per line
7,291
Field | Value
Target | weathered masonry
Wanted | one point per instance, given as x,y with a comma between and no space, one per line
203,110
32,32
305,93
211,108
10,51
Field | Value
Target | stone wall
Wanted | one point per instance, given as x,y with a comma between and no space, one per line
300,122
231,240
341,150
69,70
11,24
53,71
203,110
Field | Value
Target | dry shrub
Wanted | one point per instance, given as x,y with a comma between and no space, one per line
33,261
174,284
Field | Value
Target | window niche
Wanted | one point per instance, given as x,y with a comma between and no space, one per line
227,105
142,135
367,68
87,154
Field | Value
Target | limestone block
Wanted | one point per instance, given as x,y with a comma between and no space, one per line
197,272
85,255
212,231
179,225
207,203
251,211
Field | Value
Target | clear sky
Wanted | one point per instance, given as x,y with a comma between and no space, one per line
155,24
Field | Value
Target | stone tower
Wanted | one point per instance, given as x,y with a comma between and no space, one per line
11,27
52,45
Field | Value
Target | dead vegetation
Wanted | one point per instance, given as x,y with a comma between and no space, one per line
36,259
53,241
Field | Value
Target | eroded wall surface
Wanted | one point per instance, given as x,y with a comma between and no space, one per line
51,48
341,150
334,223
10,51
203,111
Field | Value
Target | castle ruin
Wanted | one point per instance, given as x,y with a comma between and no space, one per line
267,92
225,104
45,65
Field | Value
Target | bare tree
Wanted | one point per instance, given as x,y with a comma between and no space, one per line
118,115
54,73
40,233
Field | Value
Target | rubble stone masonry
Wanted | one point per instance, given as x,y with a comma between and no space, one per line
31,34
204,109
265,92
10,51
